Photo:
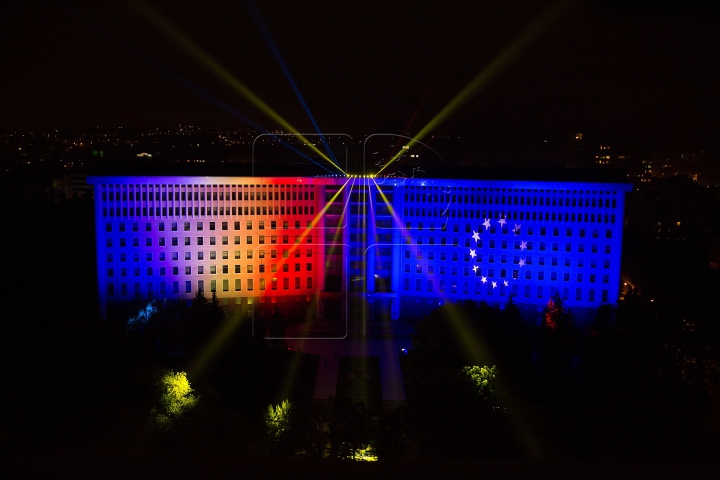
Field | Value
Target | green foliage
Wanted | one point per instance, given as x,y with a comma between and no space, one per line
176,398
484,380
277,418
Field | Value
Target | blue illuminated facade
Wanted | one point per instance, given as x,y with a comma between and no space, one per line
306,244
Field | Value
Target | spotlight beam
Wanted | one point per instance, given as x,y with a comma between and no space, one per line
260,24
205,95
499,64
313,224
400,136
221,72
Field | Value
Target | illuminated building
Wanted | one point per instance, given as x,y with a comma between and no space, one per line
304,245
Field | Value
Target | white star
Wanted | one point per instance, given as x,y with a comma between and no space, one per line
502,222
483,279
517,228
476,236
486,223
494,284
505,283
472,253
523,245
521,263
475,267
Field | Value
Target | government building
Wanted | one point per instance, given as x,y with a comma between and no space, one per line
323,247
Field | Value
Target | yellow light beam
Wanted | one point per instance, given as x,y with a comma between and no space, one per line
155,17
316,219
217,342
501,62
475,349
215,345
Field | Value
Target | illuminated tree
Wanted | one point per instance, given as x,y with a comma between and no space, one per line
484,380
277,418
556,315
175,400
143,316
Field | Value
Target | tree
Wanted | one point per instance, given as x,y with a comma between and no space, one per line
278,422
143,316
484,380
556,315
556,339
216,313
175,398
200,306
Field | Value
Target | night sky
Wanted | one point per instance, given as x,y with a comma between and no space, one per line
643,72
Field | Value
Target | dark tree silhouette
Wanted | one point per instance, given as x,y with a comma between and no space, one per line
276,332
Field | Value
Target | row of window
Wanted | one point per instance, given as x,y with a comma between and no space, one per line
212,270
526,231
479,288
164,288
202,211
219,192
199,226
527,260
517,245
224,254
539,201
526,274
196,195
188,241
521,216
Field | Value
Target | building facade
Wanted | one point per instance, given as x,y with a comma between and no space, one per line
308,246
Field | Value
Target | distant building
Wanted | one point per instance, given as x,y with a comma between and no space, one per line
310,245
